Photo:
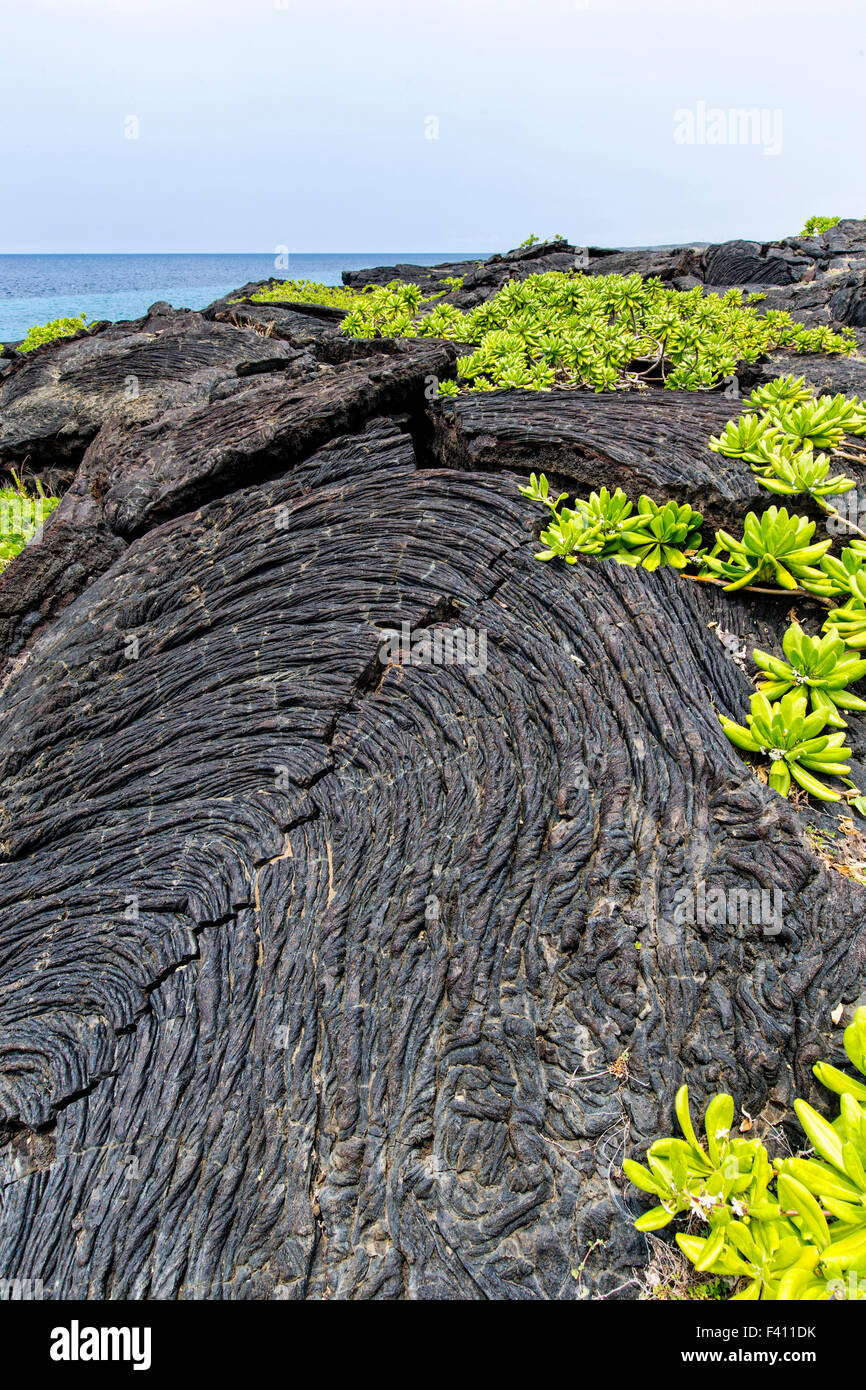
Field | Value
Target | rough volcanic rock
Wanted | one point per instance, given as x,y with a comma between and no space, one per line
848,304
653,442
808,301
746,263
143,475
665,264
429,277
136,474
329,973
54,400
330,986
847,238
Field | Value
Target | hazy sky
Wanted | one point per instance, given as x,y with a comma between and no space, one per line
448,125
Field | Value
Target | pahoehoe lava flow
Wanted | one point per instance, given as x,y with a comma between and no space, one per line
323,976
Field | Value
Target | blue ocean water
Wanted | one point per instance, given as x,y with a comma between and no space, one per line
34,289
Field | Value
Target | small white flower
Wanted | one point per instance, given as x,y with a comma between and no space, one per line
703,1202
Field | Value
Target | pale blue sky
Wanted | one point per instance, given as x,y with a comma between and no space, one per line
303,123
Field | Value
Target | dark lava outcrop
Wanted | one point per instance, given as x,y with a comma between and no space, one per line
323,975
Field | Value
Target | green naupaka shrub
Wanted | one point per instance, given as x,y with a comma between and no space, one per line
752,437
782,426
790,1229
794,742
22,515
309,292
821,423
819,667
792,474
567,329
774,547
666,535
42,333
816,225
782,390
811,424
607,526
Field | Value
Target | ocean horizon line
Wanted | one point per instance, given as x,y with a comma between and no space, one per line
33,255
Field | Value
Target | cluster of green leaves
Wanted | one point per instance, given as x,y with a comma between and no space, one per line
790,1229
607,526
774,547
21,515
795,743
48,332
567,329
795,719
848,621
782,426
816,225
309,292
819,667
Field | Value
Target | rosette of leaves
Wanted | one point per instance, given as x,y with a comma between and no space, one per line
819,667
754,438
818,424
790,1229
606,525
849,620
686,1175
794,744
444,321
774,547
790,474
668,535
781,391
611,512
568,533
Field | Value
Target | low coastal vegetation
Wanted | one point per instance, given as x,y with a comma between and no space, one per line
307,292
795,721
816,225
22,516
605,332
773,1229
42,333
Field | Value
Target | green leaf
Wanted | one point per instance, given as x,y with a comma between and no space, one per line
823,1137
